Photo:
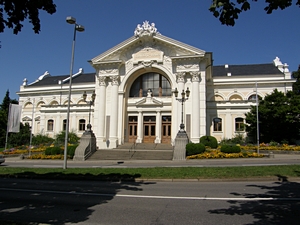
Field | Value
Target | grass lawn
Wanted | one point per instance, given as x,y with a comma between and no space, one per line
130,174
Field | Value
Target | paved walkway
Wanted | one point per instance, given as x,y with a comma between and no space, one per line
277,159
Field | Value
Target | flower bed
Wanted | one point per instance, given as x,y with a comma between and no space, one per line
217,154
266,147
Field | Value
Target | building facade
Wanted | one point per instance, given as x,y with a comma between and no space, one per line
134,84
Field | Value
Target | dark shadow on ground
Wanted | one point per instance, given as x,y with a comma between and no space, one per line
55,198
283,208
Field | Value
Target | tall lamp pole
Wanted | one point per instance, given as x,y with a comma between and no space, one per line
89,126
182,100
77,27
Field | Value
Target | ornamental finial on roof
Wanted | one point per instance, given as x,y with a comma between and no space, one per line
145,29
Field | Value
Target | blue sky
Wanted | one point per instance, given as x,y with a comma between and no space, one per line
256,37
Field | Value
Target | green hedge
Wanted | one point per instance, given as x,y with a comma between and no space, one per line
59,151
230,148
54,151
209,141
71,150
194,148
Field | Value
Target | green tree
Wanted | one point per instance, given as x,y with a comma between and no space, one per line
228,11
279,117
14,12
296,85
4,108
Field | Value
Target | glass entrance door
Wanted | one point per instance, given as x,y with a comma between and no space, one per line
132,127
149,129
166,129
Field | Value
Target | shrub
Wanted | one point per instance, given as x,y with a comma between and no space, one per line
194,148
60,138
42,139
53,151
71,150
230,148
209,141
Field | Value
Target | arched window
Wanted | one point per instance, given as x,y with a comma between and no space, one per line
217,124
253,97
157,83
81,125
50,125
239,124
64,125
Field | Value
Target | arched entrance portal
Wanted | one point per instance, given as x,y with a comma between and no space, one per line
149,109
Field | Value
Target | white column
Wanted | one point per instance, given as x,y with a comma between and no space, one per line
140,128
113,135
180,83
195,120
158,126
100,112
203,99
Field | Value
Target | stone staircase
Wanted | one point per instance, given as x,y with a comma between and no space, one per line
131,151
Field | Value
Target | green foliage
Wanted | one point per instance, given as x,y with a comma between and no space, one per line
230,148
60,138
71,150
209,141
42,139
194,148
296,85
4,108
278,117
21,138
54,151
228,11
237,139
14,12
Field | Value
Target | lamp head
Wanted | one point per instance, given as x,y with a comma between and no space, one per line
84,96
71,20
188,92
93,96
183,94
176,92
79,28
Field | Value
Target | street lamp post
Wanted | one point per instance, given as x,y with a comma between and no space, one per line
77,27
89,126
181,139
182,100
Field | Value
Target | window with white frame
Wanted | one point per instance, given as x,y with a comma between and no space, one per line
81,125
217,122
50,124
239,124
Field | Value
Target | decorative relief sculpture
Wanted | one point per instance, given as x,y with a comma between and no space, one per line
108,71
115,79
195,76
180,77
101,80
145,29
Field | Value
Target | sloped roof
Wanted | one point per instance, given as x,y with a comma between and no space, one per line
246,70
53,80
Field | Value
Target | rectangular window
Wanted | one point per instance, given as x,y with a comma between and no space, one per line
81,125
217,124
50,125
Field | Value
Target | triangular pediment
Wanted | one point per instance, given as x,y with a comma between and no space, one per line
148,101
144,40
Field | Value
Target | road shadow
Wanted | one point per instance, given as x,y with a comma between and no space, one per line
55,198
283,206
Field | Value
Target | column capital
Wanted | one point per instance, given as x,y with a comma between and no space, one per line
115,80
195,76
101,80
180,77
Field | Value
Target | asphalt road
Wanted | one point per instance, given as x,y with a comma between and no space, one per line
92,202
